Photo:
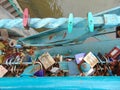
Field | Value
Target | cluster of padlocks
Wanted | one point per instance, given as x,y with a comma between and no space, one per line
20,62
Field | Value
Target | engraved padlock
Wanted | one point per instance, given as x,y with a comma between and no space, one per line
114,53
47,60
91,59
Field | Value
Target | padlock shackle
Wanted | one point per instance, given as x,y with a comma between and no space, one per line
39,64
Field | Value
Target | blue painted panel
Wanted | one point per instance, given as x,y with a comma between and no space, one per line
61,83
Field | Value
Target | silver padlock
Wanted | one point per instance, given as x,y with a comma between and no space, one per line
91,59
47,60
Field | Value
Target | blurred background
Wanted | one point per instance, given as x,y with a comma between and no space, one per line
62,8
59,8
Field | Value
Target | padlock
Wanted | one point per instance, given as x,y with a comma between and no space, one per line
114,53
79,57
64,66
32,70
3,71
39,73
118,71
47,60
58,58
84,68
96,71
90,72
27,58
73,68
55,70
91,59
2,46
21,68
109,70
102,58
1,59
104,70
115,67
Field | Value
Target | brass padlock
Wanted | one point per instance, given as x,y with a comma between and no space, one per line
47,60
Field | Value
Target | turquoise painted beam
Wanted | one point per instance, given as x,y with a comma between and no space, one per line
108,20
69,50
61,83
